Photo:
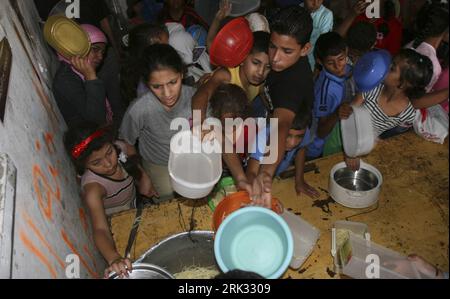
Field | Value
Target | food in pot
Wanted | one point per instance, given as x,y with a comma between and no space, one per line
195,272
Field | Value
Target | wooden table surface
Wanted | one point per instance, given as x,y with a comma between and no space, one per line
412,213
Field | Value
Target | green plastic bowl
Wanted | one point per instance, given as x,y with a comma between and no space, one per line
254,239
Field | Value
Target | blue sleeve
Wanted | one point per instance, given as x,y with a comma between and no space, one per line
306,139
326,100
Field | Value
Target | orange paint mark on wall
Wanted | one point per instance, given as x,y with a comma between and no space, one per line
38,145
90,255
33,249
75,251
83,219
49,143
45,196
41,238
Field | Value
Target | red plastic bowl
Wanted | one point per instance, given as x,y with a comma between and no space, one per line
232,44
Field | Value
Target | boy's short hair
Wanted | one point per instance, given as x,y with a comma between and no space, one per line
293,21
329,44
229,98
302,120
261,42
362,36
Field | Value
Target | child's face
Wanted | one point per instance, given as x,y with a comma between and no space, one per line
166,86
285,51
294,138
256,67
96,54
335,64
103,161
313,5
393,77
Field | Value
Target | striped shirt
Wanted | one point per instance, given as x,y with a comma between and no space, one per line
120,194
382,122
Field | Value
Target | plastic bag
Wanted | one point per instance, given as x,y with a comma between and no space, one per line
432,124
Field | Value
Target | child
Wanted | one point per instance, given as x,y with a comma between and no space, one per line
140,38
390,103
289,86
431,26
361,38
229,101
389,28
79,93
250,75
149,117
298,139
329,89
107,182
322,23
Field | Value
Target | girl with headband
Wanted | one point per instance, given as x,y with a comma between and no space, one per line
108,180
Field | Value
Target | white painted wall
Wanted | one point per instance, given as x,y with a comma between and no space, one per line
49,220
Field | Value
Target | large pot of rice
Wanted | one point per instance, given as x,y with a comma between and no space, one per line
188,255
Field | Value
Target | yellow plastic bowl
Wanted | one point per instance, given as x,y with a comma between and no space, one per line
66,37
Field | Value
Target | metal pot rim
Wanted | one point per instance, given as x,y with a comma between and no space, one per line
198,232
145,266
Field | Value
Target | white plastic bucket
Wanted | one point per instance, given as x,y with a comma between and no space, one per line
358,136
194,168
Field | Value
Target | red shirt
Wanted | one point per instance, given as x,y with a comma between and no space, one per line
392,42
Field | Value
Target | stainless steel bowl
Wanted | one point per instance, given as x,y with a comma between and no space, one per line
183,250
361,180
145,271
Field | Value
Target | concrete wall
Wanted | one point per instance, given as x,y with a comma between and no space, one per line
42,218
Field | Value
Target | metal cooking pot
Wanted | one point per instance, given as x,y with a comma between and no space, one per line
183,250
145,271
352,189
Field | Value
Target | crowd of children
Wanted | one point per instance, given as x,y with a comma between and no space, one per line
300,73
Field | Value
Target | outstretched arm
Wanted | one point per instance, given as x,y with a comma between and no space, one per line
224,11
430,99
357,9
102,235
201,98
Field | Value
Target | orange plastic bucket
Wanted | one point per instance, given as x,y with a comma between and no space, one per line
236,201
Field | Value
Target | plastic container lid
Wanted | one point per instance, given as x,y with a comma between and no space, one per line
358,136
243,7
254,239
371,69
232,44
305,238
66,37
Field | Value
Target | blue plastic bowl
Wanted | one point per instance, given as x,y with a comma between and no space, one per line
371,69
254,239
